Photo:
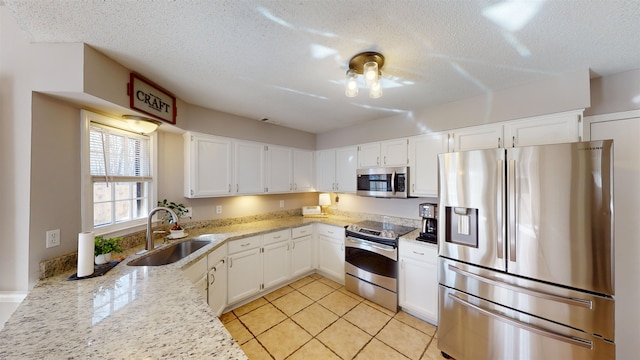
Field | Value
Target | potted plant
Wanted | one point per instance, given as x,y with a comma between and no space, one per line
104,247
180,210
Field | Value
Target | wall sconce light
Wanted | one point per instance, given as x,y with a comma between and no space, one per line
368,64
324,200
141,124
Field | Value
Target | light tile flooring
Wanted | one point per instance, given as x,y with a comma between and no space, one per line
316,318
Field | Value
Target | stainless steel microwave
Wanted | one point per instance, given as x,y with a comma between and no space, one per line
384,182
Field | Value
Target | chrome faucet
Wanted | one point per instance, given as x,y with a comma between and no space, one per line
149,245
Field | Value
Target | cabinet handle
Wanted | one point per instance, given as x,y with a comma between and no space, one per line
213,278
498,142
237,187
513,141
230,262
417,253
229,187
287,247
295,186
378,160
277,237
330,232
245,244
293,246
337,186
385,160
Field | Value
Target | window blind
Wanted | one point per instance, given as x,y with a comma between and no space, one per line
118,156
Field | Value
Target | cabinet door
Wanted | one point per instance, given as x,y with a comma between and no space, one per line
277,263
326,170
552,129
244,275
301,257
369,155
208,166
478,137
418,283
423,168
303,166
331,258
279,169
217,261
249,168
346,165
394,152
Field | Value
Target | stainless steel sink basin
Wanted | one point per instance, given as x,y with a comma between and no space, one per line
170,254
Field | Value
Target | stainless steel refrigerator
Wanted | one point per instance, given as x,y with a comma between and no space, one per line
525,245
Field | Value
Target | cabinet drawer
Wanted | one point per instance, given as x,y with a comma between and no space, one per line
244,244
420,252
302,231
278,236
331,231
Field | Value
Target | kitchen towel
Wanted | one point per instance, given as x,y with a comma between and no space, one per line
85,254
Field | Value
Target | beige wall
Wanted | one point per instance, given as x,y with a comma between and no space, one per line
615,93
55,179
222,124
24,68
559,93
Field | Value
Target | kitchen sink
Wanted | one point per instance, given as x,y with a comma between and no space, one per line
170,254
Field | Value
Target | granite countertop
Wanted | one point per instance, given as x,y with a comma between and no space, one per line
132,312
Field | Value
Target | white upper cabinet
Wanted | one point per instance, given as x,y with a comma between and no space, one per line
385,153
346,166
336,169
477,137
303,167
394,152
423,163
279,169
549,129
249,167
208,166
369,155
552,129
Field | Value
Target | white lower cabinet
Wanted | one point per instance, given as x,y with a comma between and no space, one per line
217,280
418,279
244,271
197,273
302,251
276,258
331,252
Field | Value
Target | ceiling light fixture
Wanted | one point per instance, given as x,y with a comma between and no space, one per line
141,124
368,64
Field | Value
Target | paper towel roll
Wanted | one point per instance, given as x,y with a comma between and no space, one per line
85,254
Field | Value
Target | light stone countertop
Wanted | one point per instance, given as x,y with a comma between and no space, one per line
132,312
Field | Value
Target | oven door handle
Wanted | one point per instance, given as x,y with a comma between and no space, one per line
369,243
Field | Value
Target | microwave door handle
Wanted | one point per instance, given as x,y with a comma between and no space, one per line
393,183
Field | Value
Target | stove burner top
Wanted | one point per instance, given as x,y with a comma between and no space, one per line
378,229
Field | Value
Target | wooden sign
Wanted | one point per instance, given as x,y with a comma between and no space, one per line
149,98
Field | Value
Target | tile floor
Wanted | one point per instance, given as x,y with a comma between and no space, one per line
316,318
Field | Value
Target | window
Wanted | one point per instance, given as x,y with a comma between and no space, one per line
118,182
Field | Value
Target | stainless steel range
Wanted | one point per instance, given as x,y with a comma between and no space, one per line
371,261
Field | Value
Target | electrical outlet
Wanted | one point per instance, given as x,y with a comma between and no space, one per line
189,212
218,209
53,238
281,203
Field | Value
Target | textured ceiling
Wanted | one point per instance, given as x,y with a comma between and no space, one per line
286,60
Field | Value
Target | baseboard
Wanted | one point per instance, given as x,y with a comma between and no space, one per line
9,302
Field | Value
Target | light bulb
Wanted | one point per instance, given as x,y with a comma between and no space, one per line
375,91
351,86
370,71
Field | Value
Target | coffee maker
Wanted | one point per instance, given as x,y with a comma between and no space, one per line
429,230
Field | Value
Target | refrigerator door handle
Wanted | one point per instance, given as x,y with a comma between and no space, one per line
496,282
512,210
575,341
500,242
